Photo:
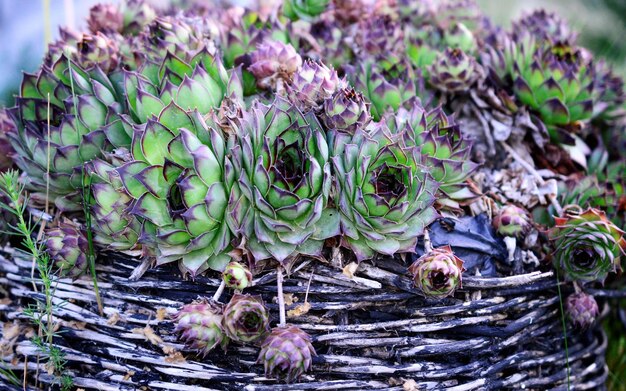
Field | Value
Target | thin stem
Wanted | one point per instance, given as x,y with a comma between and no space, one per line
558,288
428,246
219,291
281,297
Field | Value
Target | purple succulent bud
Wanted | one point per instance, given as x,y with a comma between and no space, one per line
582,309
105,18
312,84
438,272
274,60
67,247
246,318
237,276
287,353
512,221
454,71
346,111
200,326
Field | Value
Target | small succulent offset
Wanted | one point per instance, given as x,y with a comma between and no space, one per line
246,318
438,272
287,353
346,111
582,309
511,220
68,248
454,71
312,85
274,62
200,326
237,276
588,246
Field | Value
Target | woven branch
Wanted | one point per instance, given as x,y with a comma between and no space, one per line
371,332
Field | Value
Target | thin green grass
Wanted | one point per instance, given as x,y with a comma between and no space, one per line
41,312
564,323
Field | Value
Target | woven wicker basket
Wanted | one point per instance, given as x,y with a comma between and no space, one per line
370,332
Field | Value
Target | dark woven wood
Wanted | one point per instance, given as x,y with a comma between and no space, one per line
371,332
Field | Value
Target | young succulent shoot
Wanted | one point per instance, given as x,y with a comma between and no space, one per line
512,220
273,63
237,276
582,310
312,85
346,111
287,353
200,326
68,247
588,246
454,71
438,272
246,319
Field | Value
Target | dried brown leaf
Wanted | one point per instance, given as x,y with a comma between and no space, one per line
300,310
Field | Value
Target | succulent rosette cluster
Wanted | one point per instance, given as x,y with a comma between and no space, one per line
588,246
234,139
438,272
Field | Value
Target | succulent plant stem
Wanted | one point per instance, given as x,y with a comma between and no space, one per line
428,246
219,291
281,298
531,170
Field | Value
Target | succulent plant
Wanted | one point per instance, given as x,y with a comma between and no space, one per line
246,318
237,276
182,37
112,224
287,353
312,85
77,105
200,326
199,85
380,35
445,151
454,71
304,9
105,18
587,246
136,15
558,84
181,181
438,272
582,309
387,85
274,61
609,93
346,111
6,151
67,246
384,194
513,221
543,26
285,182
88,50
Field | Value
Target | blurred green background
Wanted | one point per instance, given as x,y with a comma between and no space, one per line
26,25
